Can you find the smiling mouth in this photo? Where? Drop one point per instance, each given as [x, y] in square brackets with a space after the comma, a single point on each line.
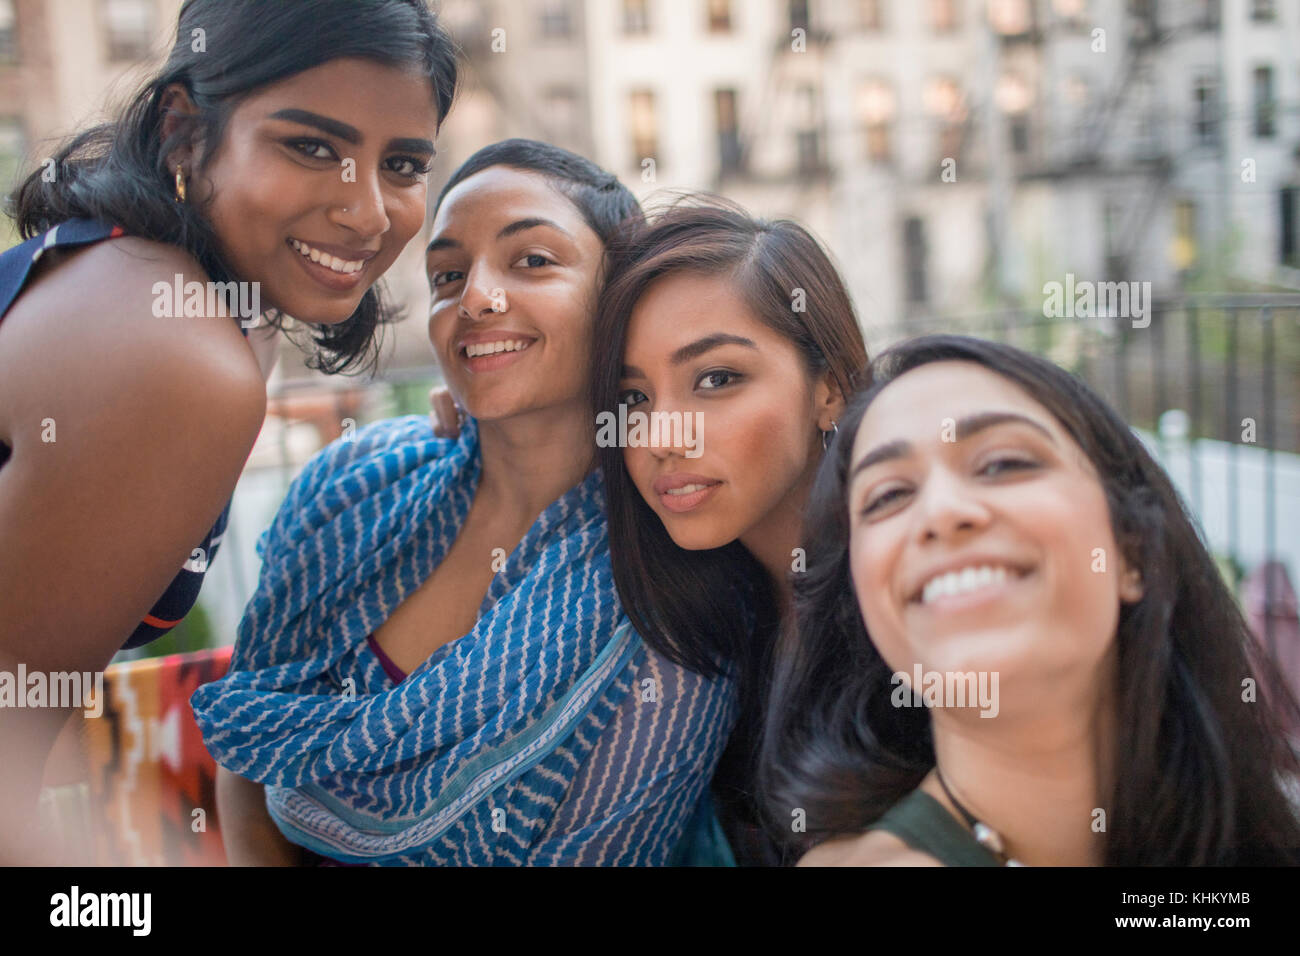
[333, 263]
[966, 581]
[480, 349]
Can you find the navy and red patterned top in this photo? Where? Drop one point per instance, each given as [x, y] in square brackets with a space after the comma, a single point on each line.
[15, 268]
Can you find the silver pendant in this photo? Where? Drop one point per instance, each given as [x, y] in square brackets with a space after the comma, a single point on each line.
[988, 838]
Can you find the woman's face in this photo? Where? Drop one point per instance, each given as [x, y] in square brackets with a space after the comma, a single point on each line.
[695, 348]
[514, 269]
[319, 182]
[980, 535]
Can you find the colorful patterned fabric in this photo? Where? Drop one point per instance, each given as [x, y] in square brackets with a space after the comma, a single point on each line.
[148, 790]
[15, 266]
[547, 735]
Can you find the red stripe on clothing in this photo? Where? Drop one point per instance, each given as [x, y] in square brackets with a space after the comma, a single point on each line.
[159, 622]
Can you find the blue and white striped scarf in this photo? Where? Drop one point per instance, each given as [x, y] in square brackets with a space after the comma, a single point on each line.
[361, 770]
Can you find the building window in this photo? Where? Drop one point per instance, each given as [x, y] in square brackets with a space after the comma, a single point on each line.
[8, 31]
[728, 124]
[1289, 252]
[914, 282]
[1011, 18]
[1019, 134]
[636, 16]
[128, 26]
[1262, 11]
[557, 20]
[877, 107]
[808, 140]
[1115, 258]
[800, 15]
[943, 16]
[871, 15]
[1184, 251]
[1265, 108]
[1206, 126]
[1144, 15]
[1071, 13]
[946, 107]
[1014, 97]
[719, 16]
[644, 122]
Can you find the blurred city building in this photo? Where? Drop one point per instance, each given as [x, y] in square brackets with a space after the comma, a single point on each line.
[954, 155]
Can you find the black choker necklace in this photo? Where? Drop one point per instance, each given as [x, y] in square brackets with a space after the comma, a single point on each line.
[985, 835]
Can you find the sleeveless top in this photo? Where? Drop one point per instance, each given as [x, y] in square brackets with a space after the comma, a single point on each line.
[923, 824]
[15, 266]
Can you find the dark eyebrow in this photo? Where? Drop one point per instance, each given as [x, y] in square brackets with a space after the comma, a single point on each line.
[966, 427]
[519, 225]
[350, 134]
[977, 423]
[886, 452]
[412, 145]
[695, 350]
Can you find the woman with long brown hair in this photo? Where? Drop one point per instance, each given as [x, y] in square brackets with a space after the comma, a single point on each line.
[744, 327]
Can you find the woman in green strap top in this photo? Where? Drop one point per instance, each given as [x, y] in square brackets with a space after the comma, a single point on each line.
[1011, 645]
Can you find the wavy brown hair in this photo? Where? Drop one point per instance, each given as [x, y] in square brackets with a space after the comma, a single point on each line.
[713, 611]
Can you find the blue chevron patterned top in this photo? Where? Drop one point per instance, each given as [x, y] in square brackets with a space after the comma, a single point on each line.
[550, 734]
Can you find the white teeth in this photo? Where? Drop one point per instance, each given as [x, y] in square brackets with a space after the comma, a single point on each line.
[963, 582]
[686, 489]
[491, 348]
[333, 263]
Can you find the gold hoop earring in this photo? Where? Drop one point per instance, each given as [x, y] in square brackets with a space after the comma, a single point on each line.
[180, 183]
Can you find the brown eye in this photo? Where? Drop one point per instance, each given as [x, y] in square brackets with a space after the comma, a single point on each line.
[1006, 464]
[875, 504]
[728, 378]
[312, 148]
[410, 167]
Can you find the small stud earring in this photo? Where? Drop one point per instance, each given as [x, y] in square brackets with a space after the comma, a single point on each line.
[180, 183]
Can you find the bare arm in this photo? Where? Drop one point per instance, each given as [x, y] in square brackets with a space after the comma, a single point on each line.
[250, 836]
[128, 433]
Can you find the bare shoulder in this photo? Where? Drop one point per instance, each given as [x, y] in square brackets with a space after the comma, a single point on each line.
[873, 848]
[89, 328]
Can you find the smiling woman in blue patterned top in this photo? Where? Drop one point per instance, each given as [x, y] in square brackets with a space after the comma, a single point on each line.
[435, 668]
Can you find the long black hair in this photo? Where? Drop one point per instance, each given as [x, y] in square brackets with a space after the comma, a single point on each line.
[1201, 775]
[714, 611]
[226, 50]
[607, 206]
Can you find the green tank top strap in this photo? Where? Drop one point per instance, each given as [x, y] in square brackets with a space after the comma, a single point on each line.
[923, 824]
